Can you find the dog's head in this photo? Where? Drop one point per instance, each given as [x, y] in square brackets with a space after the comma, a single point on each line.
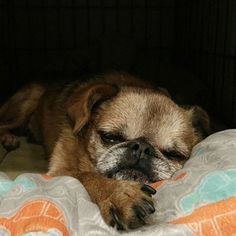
[133, 132]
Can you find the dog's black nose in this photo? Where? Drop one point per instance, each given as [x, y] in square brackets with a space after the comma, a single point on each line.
[141, 149]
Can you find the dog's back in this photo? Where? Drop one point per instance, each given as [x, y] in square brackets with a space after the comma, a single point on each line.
[42, 108]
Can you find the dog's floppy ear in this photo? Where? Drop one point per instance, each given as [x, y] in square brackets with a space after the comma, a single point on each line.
[200, 120]
[81, 103]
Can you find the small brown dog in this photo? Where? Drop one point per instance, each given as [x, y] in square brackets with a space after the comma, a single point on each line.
[114, 133]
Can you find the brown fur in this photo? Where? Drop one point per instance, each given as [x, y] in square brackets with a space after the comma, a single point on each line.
[66, 120]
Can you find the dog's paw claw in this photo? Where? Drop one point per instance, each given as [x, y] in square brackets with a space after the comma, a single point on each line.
[149, 205]
[116, 221]
[148, 189]
[140, 213]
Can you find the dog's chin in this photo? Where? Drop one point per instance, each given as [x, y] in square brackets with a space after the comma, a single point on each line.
[131, 174]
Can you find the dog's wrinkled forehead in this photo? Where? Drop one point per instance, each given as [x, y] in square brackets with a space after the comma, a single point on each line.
[143, 113]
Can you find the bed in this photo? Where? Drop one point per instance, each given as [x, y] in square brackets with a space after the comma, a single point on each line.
[200, 199]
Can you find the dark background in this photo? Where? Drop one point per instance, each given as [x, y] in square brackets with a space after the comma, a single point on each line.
[186, 46]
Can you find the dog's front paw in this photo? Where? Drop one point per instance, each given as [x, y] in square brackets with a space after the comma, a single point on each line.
[128, 206]
[10, 142]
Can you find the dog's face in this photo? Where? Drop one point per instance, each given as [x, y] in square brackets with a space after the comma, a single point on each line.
[140, 134]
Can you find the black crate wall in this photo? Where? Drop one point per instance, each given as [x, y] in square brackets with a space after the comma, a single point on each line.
[40, 35]
[206, 44]
[5, 65]
[39, 38]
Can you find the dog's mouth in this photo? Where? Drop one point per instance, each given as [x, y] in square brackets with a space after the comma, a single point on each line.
[130, 174]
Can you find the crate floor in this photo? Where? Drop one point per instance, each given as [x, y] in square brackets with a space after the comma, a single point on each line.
[28, 158]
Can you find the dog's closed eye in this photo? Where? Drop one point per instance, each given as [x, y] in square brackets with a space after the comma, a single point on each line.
[111, 138]
[174, 155]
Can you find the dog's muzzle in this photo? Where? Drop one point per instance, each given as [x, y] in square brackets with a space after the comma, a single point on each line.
[138, 162]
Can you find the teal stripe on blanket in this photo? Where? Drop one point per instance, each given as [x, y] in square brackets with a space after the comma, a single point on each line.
[22, 183]
[214, 187]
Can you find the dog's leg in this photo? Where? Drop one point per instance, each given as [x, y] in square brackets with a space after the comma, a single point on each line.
[123, 204]
[16, 111]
